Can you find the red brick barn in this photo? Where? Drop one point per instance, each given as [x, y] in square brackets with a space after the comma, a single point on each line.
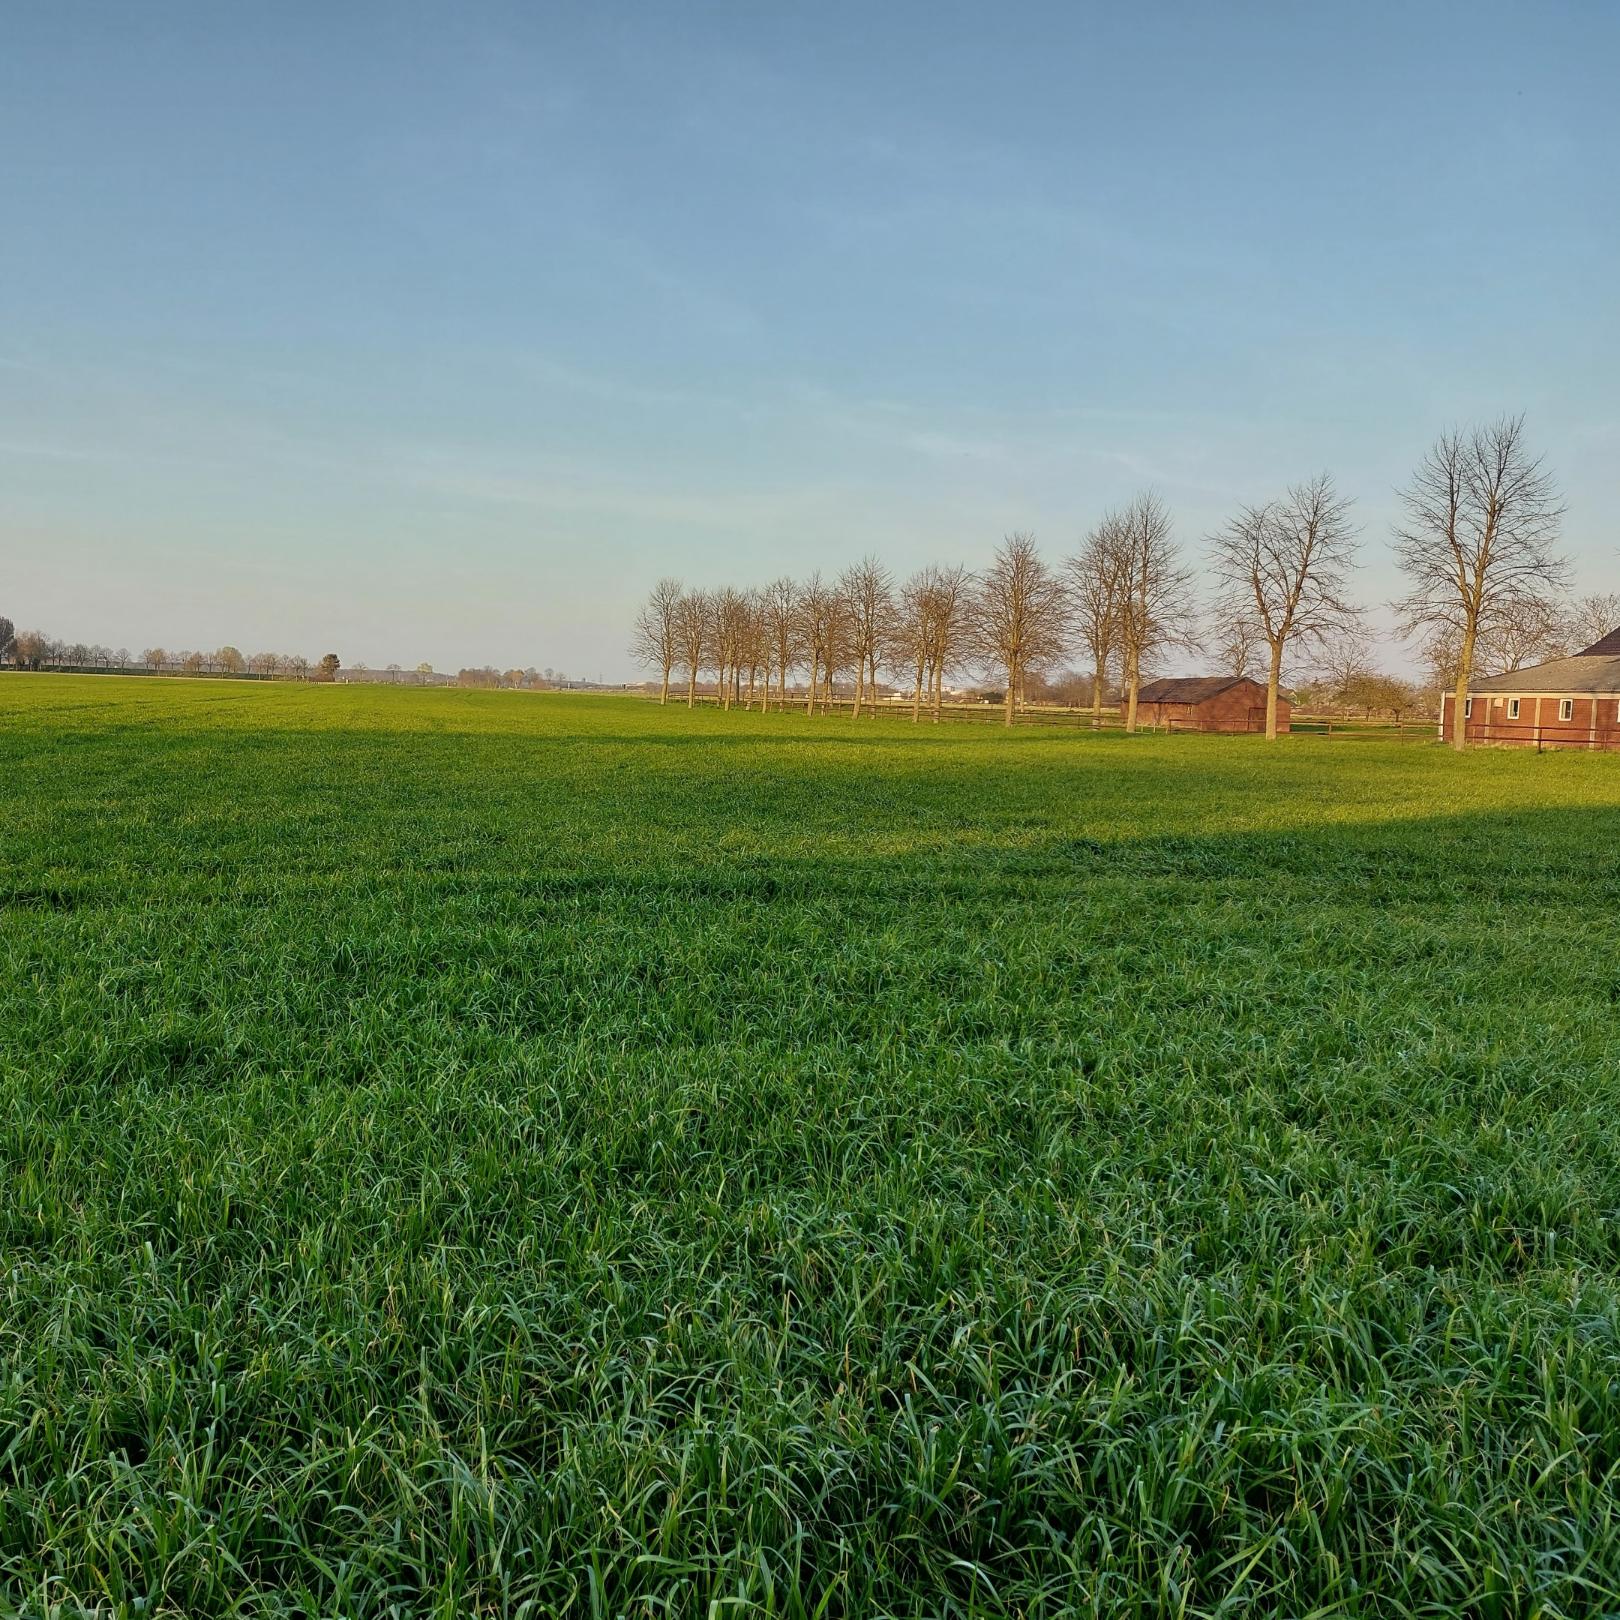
[1568, 703]
[1209, 703]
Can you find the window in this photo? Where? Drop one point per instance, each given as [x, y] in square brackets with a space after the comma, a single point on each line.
[1513, 708]
[1566, 708]
[1468, 708]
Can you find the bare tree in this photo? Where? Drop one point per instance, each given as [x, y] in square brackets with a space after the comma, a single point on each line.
[1096, 596]
[816, 610]
[1237, 640]
[1480, 536]
[730, 617]
[932, 620]
[655, 641]
[1155, 610]
[1284, 566]
[950, 626]
[758, 650]
[8, 637]
[1526, 630]
[868, 590]
[692, 637]
[839, 650]
[1344, 662]
[1590, 619]
[908, 643]
[779, 618]
[1021, 615]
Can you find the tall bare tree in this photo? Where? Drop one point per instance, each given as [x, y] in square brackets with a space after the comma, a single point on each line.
[1156, 609]
[950, 626]
[908, 641]
[868, 590]
[1021, 615]
[838, 647]
[816, 609]
[779, 617]
[692, 636]
[1480, 536]
[730, 616]
[759, 651]
[1285, 566]
[1096, 596]
[655, 640]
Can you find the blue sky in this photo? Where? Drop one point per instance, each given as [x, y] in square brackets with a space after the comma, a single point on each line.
[440, 331]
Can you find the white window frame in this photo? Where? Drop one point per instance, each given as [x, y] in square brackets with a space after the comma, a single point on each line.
[1513, 708]
[1468, 708]
[1566, 708]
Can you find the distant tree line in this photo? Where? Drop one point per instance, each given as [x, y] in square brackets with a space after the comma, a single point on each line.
[515, 680]
[1273, 598]
[35, 650]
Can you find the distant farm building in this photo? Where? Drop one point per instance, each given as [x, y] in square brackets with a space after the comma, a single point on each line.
[357, 676]
[1209, 703]
[1568, 703]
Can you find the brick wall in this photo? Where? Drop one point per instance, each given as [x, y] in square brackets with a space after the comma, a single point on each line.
[1593, 723]
[1239, 708]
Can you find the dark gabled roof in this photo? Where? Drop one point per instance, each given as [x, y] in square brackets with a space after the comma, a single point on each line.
[1608, 647]
[1190, 688]
[1588, 672]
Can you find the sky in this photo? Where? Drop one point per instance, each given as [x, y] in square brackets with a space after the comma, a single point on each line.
[431, 332]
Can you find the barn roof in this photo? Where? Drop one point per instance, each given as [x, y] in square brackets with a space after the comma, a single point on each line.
[1190, 688]
[1608, 647]
[1590, 671]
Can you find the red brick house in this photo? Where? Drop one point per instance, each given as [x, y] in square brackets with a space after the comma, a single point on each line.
[1209, 703]
[1568, 703]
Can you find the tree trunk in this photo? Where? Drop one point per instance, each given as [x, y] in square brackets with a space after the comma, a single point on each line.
[691, 688]
[1459, 701]
[1273, 681]
[916, 696]
[860, 682]
[663, 697]
[1096, 696]
[1133, 682]
[1010, 694]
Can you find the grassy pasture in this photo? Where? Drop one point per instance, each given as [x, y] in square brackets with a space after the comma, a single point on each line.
[481, 1153]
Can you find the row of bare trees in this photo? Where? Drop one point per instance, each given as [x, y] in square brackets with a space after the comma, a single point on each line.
[1123, 594]
[1477, 545]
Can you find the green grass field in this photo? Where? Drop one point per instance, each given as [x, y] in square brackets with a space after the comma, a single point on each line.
[481, 1153]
